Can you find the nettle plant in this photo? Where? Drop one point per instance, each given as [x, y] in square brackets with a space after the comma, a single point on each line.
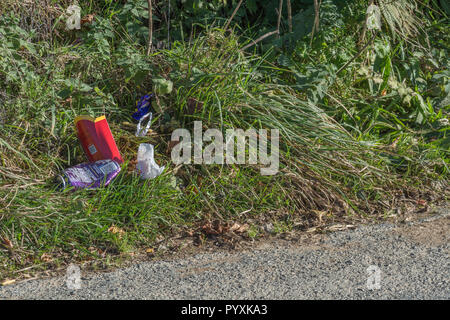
[15, 49]
[402, 83]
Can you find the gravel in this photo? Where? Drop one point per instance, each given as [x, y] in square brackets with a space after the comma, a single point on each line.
[411, 261]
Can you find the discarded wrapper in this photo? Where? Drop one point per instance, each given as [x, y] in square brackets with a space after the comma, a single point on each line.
[146, 166]
[96, 139]
[143, 107]
[143, 132]
[88, 175]
[144, 110]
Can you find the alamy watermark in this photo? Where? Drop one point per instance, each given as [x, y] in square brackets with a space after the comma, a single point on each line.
[374, 279]
[73, 277]
[74, 17]
[211, 147]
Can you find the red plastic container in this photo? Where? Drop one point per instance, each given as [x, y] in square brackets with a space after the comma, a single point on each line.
[96, 139]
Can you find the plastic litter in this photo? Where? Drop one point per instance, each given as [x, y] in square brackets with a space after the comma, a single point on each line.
[88, 175]
[143, 132]
[96, 139]
[146, 166]
[144, 110]
[144, 106]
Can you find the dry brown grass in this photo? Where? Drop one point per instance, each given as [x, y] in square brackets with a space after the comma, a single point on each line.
[38, 15]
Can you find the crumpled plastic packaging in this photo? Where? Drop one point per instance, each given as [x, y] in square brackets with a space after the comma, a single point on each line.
[143, 107]
[144, 110]
[146, 166]
[142, 132]
[89, 175]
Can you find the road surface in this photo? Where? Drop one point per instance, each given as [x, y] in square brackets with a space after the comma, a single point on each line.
[385, 261]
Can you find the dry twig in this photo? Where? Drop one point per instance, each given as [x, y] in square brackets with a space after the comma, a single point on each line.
[289, 10]
[260, 39]
[150, 26]
[233, 14]
[280, 10]
[316, 19]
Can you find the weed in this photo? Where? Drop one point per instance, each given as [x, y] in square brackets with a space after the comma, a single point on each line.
[362, 132]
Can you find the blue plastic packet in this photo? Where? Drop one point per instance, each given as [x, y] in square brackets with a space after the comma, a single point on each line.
[144, 106]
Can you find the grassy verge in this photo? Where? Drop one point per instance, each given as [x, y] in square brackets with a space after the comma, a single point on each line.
[348, 148]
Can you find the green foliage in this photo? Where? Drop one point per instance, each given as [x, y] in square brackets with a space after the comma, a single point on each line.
[354, 139]
[395, 91]
[14, 47]
[162, 86]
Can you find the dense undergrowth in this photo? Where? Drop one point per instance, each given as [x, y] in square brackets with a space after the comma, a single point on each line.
[363, 119]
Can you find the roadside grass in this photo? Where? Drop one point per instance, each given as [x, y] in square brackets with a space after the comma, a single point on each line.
[328, 171]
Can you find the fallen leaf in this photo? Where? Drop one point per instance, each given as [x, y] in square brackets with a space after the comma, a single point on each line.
[340, 227]
[46, 257]
[87, 19]
[97, 251]
[7, 243]
[208, 229]
[421, 202]
[116, 230]
[239, 228]
[235, 227]
[7, 282]
[190, 233]
[214, 228]
[194, 106]
[320, 214]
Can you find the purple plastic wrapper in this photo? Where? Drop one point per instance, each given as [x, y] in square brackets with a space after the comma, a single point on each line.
[89, 175]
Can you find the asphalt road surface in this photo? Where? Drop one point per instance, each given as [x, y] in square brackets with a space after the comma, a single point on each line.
[387, 261]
